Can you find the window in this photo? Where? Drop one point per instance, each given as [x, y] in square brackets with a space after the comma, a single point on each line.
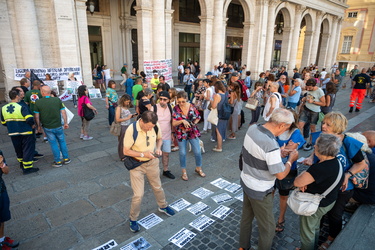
[132, 10]
[189, 11]
[347, 44]
[235, 16]
[352, 14]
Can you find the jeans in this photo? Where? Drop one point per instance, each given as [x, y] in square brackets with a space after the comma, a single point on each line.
[255, 115]
[292, 105]
[188, 91]
[111, 114]
[196, 149]
[56, 136]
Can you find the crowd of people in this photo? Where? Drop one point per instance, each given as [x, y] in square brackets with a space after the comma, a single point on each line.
[166, 120]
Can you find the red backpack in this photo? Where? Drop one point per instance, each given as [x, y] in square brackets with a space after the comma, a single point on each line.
[245, 92]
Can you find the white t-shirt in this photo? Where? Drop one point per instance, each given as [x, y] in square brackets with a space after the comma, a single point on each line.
[107, 73]
[268, 105]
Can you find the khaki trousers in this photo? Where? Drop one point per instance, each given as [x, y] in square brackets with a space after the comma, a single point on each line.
[137, 179]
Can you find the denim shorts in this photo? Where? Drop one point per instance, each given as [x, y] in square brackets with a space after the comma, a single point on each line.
[166, 147]
[309, 116]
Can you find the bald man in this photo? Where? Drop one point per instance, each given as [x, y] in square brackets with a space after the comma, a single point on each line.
[370, 136]
[48, 112]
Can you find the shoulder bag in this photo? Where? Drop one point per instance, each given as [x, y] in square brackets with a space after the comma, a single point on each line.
[213, 117]
[307, 204]
[88, 113]
[252, 103]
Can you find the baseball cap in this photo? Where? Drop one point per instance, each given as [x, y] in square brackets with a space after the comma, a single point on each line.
[235, 73]
[164, 94]
[209, 73]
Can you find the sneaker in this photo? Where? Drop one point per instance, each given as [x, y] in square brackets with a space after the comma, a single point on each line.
[81, 136]
[38, 156]
[8, 242]
[168, 174]
[167, 210]
[45, 140]
[204, 132]
[351, 109]
[67, 161]
[134, 227]
[37, 135]
[357, 110]
[30, 170]
[87, 138]
[174, 149]
[57, 164]
[307, 147]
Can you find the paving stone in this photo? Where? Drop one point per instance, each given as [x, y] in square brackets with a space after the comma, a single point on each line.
[76, 192]
[115, 179]
[61, 238]
[33, 206]
[111, 196]
[24, 229]
[98, 222]
[69, 212]
[92, 156]
[38, 191]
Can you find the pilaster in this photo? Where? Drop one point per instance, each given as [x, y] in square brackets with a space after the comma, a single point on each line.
[218, 37]
[168, 33]
[286, 46]
[332, 42]
[307, 48]
[270, 34]
[295, 37]
[144, 31]
[316, 35]
[246, 50]
[158, 29]
[205, 43]
[324, 49]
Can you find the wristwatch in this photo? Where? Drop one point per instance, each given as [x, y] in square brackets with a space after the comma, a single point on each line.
[142, 155]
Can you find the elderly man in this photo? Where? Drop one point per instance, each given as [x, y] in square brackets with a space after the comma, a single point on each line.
[142, 142]
[262, 164]
[48, 111]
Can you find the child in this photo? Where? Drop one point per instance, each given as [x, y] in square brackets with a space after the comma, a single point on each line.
[248, 80]
[5, 242]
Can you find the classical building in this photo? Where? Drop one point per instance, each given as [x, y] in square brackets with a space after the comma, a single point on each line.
[258, 33]
[357, 40]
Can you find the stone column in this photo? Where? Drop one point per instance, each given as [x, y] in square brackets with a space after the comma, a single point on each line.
[324, 49]
[332, 43]
[247, 43]
[336, 43]
[315, 44]
[259, 40]
[218, 37]
[307, 48]
[286, 46]
[128, 57]
[144, 32]
[205, 43]
[28, 29]
[270, 34]
[158, 29]
[83, 41]
[295, 38]
[168, 33]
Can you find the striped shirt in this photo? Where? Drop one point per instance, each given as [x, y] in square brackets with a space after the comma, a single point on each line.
[261, 161]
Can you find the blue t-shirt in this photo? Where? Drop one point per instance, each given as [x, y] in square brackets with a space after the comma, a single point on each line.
[295, 137]
[295, 98]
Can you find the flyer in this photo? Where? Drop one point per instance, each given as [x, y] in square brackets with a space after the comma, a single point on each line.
[222, 212]
[182, 237]
[180, 204]
[108, 245]
[138, 244]
[202, 192]
[149, 221]
[233, 188]
[198, 208]
[239, 196]
[201, 223]
[221, 198]
[220, 183]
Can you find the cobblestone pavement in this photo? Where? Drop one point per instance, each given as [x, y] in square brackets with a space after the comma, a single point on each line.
[86, 203]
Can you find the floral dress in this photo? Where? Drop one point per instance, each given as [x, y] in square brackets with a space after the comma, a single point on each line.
[183, 133]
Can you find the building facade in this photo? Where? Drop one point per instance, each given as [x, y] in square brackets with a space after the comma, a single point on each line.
[357, 40]
[258, 33]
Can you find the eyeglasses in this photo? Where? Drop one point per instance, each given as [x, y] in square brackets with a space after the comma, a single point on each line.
[147, 140]
[163, 99]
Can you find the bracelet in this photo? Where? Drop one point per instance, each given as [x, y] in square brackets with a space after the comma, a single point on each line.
[288, 162]
[351, 174]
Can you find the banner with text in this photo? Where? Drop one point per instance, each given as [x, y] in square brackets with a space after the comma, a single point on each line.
[56, 73]
[164, 67]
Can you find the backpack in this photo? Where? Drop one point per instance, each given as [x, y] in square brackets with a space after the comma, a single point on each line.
[226, 110]
[245, 92]
[135, 131]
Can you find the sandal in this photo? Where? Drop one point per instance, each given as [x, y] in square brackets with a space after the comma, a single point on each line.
[184, 176]
[200, 172]
[280, 227]
[174, 149]
[325, 245]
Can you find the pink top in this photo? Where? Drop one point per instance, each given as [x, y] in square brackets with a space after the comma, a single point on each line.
[164, 120]
[82, 100]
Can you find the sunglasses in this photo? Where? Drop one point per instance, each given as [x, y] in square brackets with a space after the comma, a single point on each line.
[147, 140]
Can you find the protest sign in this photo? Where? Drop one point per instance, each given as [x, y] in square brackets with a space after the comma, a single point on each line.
[56, 73]
[164, 67]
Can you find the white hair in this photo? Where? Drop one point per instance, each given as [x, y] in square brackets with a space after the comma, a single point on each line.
[281, 115]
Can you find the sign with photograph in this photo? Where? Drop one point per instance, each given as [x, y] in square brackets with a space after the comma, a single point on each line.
[95, 93]
[201, 223]
[149, 221]
[72, 86]
[182, 237]
[53, 85]
[138, 244]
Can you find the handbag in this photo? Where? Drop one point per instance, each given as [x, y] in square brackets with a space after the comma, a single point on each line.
[287, 182]
[115, 129]
[213, 117]
[252, 103]
[307, 204]
[360, 180]
[88, 113]
[131, 163]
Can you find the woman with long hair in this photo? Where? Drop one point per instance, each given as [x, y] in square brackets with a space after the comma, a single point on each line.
[111, 99]
[236, 102]
[220, 130]
[83, 98]
[123, 116]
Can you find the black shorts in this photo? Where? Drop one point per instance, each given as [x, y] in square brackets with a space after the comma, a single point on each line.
[4, 207]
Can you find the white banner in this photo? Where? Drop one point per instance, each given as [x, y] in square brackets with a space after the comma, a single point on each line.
[56, 73]
[65, 96]
[164, 67]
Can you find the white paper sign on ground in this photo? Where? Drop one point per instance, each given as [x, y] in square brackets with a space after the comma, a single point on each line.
[239, 196]
[221, 198]
[108, 245]
[202, 192]
[180, 204]
[198, 208]
[201, 223]
[182, 237]
[220, 183]
[138, 244]
[149, 221]
[233, 188]
[222, 212]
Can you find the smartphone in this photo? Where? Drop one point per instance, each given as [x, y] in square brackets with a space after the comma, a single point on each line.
[156, 155]
[135, 114]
